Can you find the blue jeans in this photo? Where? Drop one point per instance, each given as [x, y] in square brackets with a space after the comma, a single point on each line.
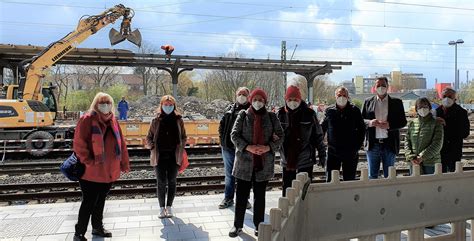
[228, 155]
[425, 170]
[379, 153]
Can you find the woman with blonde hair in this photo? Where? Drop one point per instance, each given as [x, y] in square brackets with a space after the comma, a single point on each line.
[166, 140]
[100, 146]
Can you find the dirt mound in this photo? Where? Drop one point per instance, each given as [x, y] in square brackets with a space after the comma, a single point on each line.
[191, 107]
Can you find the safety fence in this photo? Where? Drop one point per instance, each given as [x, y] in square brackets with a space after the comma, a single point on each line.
[366, 208]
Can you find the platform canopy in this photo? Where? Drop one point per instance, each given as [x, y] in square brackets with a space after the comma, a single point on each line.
[11, 55]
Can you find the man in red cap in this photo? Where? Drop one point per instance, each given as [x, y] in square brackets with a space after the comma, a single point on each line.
[303, 135]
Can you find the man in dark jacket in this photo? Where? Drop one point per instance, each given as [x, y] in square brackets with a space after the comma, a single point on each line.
[303, 135]
[383, 116]
[456, 128]
[345, 128]
[228, 149]
[123, 109]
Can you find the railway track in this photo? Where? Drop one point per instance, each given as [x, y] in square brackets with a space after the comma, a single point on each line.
[139, 151]
[41, 167]
[70, 191]
[18, 151]
[133, 151]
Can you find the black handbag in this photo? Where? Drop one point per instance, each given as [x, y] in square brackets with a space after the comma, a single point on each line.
[72, 168]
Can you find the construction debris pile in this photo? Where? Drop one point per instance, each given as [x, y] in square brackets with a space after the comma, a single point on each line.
[191, 107]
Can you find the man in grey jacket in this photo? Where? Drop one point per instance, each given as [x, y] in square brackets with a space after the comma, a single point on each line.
[303, 135]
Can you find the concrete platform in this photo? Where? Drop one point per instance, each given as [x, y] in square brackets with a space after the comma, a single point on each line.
[197, 218]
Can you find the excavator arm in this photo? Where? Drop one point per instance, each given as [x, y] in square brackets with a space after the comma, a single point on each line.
[33, 70]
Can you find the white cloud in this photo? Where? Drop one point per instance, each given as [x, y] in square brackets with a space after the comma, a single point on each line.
[327, 27]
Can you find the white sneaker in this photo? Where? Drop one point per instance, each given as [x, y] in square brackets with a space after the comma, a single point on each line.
[169, 212]
[162, 213]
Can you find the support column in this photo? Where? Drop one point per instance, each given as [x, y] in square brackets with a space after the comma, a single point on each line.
[174, 71]
[309, 76]
[310, 83]
[174, 81]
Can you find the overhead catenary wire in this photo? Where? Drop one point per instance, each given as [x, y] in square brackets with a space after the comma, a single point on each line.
[219, 35]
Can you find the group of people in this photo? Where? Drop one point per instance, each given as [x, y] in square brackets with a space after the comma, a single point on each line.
[250, 136]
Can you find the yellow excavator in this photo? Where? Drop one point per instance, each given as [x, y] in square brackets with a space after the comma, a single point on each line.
[28, 112]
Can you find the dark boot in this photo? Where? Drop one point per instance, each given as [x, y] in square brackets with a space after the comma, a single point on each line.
[79, 237]
[234, 232]
[102, 232]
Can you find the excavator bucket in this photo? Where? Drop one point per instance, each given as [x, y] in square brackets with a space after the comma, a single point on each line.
[134, 37]
[115, 37]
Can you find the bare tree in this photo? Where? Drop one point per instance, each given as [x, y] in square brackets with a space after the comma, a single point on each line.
[160, 81]
[147, 73]
[272, 83]
[61, 77]
[323, 90]
[102, 76]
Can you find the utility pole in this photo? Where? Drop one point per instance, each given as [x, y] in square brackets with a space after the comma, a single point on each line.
[283, 61]
[467, 77]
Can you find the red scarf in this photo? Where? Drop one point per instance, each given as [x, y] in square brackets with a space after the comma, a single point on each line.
[99, 131]
[257, 136]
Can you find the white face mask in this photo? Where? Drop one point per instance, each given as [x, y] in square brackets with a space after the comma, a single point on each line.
[341, 101]
[293, 104]
[104, 108]
[241, 99]
[447, 102]
[257, 105]
[381, 90]
[423, 111]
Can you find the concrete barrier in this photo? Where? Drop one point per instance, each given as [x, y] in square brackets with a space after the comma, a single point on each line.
[366, 208]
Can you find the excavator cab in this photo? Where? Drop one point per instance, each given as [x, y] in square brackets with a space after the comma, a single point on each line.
[49, 98]
[126, 32]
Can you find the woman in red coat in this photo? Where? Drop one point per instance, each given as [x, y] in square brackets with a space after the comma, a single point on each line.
[99, 144]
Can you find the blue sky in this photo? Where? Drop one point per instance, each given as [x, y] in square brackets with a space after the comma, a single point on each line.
[377, 36]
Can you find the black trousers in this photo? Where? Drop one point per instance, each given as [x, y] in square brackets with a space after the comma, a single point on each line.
[449, 166]
[349, 166]
[93, 202]
[242, 194]
[166, 173]
[289, 176]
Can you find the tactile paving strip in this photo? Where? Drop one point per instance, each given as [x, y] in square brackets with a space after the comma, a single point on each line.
[21, 227]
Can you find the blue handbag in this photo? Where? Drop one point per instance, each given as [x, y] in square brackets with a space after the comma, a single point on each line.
[72, 168]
